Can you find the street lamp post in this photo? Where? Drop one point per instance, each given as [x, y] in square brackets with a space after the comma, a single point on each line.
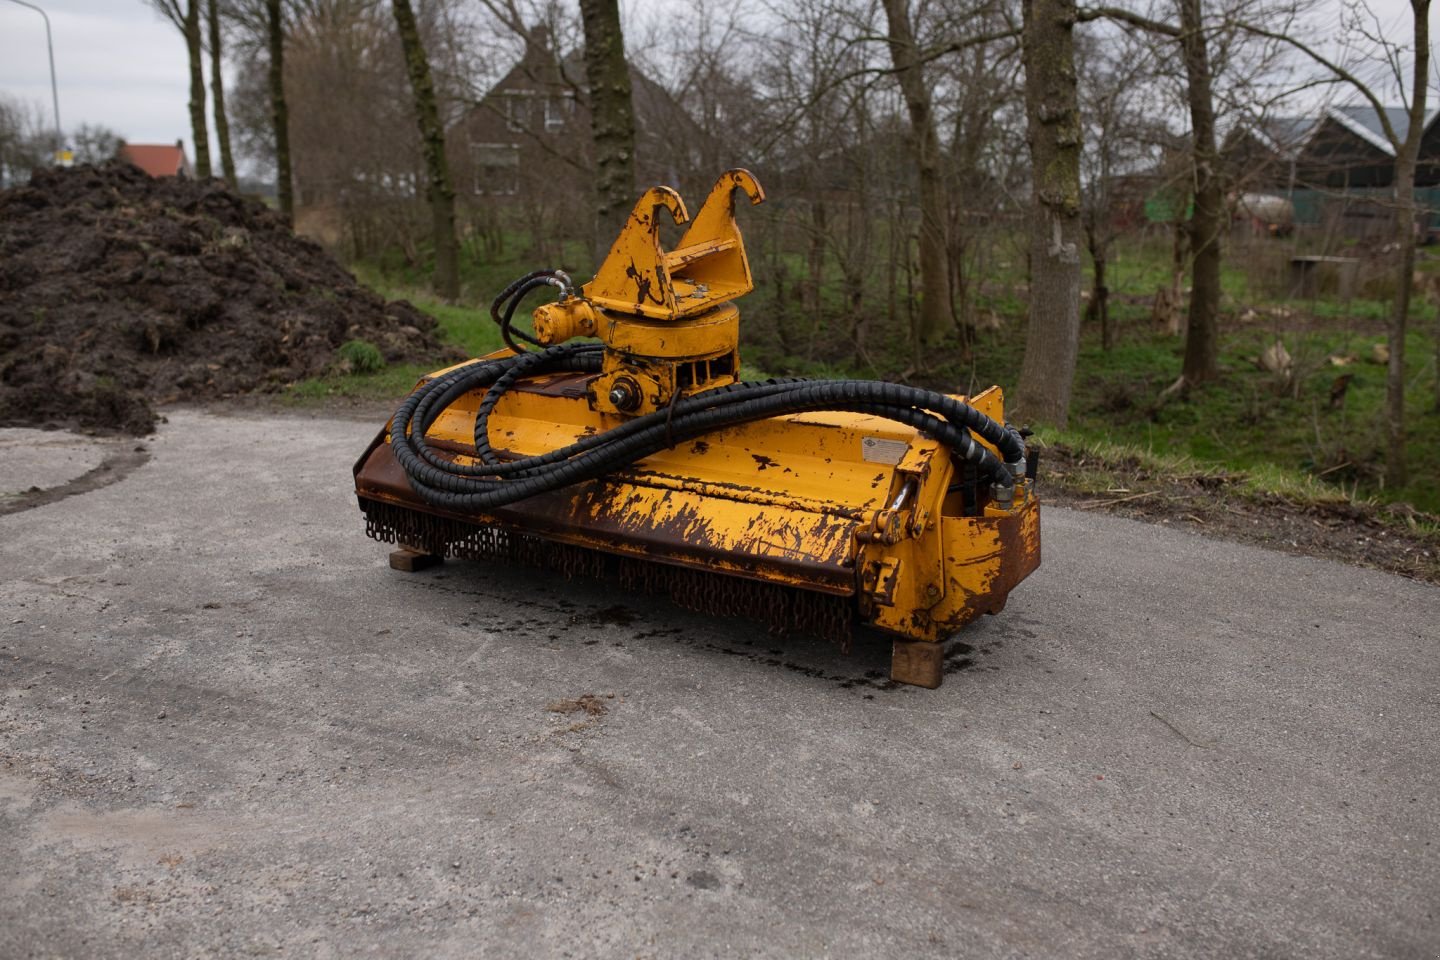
[54, 87]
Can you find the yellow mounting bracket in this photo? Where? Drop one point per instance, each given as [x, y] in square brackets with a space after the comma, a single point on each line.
[708, 268]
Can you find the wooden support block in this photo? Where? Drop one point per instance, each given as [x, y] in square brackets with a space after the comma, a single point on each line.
[412, 560]
[917, 661]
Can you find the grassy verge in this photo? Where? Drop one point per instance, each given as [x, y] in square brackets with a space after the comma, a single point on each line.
[1100, 466]
[467, 326]
[393, 382]
[1282, 509]
[1322, 423]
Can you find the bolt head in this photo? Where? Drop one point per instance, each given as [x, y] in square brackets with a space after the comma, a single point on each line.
[624, 395]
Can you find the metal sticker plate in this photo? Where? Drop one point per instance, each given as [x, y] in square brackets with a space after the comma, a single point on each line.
[878, 450]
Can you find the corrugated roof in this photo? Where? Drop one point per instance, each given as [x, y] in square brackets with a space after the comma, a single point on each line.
[1362, 120]
[1284, 135]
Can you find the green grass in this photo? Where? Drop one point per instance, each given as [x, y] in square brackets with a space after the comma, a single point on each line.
[395, 381]
[482, 275]
[1249, 422]
[1265, 478]
[463, 325]
[361, 356]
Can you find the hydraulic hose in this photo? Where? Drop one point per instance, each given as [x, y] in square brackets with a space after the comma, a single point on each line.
[503, 307]
[492, 482]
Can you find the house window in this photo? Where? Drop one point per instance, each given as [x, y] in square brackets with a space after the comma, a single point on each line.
[497, 168]
[517, 111]
[557, 111]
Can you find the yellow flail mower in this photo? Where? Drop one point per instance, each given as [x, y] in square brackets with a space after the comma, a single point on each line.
[808, 505]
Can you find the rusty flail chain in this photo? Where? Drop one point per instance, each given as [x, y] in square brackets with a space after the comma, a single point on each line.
[783, 609]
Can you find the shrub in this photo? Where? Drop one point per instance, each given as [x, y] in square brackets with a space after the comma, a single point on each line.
[362, 356]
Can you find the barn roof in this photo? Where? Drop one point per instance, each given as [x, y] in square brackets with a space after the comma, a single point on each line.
[1362, 120]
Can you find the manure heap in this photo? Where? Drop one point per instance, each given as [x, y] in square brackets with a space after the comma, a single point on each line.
[119, 292]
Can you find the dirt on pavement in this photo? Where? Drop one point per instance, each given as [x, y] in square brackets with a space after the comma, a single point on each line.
[119, 292]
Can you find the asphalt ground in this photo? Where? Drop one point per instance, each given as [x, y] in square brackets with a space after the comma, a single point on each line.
[227, 728]
[33, 460]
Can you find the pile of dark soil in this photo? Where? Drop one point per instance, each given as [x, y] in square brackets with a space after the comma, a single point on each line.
[1393, 537]
[118, 292]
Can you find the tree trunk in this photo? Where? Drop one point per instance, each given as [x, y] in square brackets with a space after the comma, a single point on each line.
[1406, 160]
[1098, 310]
[1396, 473]
[217, 94]
[279, 111]
[898, 249]
[961, 297]
[1102, 297]
[612, 120]
[957, 243]
[819, 224]
[1179, 256]
[1169, 298]
[198, 130]
[1202, 330]
[924, 145]
[438, 190]
[1052, 110]
[859, 317]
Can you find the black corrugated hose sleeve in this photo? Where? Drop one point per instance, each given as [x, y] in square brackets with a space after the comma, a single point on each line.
[514, 293]
[453, 491]
[645, 438]
[491, 484]
[434, 397]
[561, 356]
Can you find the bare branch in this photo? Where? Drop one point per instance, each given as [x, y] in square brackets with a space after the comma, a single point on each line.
[1344, 75]
[877, 73]
[1121, 15]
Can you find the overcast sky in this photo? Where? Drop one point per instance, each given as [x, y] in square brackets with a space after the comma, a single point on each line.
[119, 64]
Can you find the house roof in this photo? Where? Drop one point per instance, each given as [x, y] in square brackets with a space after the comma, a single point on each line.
[657, 114]
[1284, 135]
[651, 102]
[156, 159]
[1363, 121]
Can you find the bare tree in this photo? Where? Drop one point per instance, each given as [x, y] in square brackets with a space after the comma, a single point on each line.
[987, 164]
[924, 143]
[94, 143]
[26, 142]
[932, 205]
[187, 21]
[1052, 341]
[1202, 330]
[438, 188]
[1120, 136]
[612, 119]
[333, 76]
[1405, 146]
[217, 93]
[279, 109]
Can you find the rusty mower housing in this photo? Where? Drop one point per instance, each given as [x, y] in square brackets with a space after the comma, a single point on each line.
[808, 505]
